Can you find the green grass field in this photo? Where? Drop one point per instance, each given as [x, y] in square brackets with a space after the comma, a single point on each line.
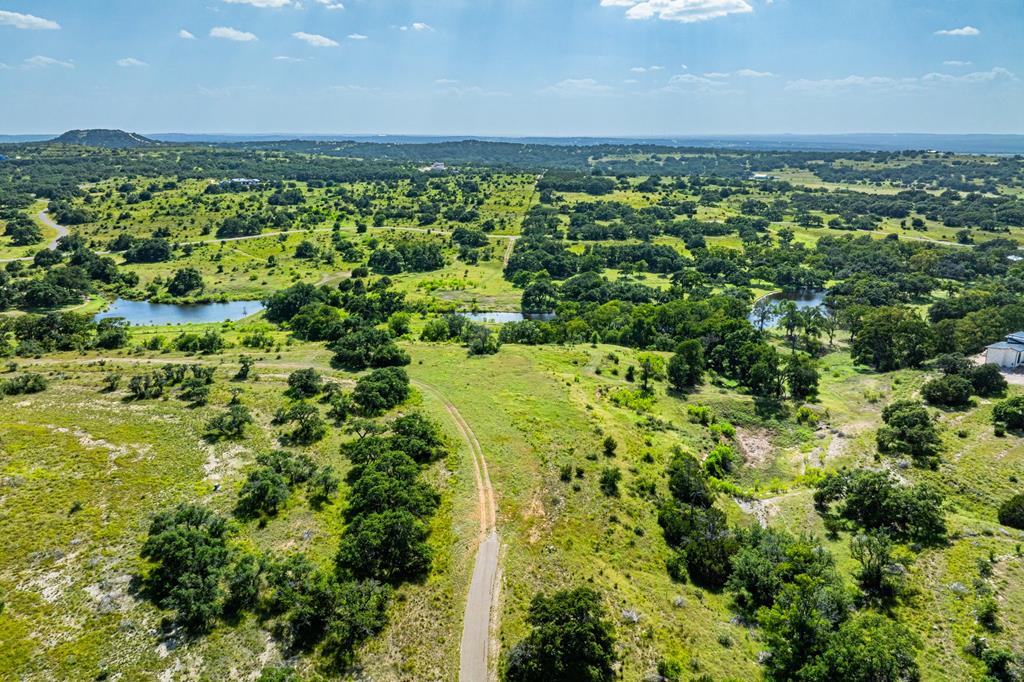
[80, 482]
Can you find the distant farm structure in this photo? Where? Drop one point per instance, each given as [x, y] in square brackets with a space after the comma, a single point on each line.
[1008, 353]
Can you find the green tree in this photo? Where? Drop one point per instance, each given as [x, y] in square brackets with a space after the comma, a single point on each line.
[246, 363]
[1010, 412]
[687, 481]
[185, 281]
[390, 546]
[799, 625]
[570, 639]
[686, 367]
[541, 296]
[948, 391]
[381, 389]
[880, 577]
[891, 338]
[609, 481]
[867, 648]
[987, 381]
[229, 424]
[265, 491]
[909, 429]
[802, 376]
[1011, 512]
[305, 383]
[189, 552]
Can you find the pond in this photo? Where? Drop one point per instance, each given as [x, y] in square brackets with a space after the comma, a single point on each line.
[804, 298]
[502, 318]
[146, 314]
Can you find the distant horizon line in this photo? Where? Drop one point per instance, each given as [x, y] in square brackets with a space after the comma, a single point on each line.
[552, 136]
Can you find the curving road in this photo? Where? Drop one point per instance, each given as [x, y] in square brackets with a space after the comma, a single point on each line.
[45, 219]
[474, 648]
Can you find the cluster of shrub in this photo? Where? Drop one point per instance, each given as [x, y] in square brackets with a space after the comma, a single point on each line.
[203, 572]
[478, 338]
[60, 331]
[52, 282]
[23, 384]
[277, 474]
[193, 381]
[960, 380]
[789, 585]
[407, 255]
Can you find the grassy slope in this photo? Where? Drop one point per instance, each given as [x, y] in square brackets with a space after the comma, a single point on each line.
[65, 576]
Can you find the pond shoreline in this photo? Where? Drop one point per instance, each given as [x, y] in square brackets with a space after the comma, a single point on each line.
[153, 314]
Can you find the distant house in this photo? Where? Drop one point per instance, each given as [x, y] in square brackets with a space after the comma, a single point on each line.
[245, 182]
[434, 167]
[1008, 353]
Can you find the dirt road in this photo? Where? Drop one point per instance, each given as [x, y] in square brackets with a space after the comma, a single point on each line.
[476, 624]
[475, 646]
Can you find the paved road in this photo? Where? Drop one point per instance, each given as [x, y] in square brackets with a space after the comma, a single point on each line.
[475, 646]
[45, 219]
[476, 624]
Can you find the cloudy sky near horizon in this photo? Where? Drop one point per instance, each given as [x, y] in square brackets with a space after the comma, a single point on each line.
[513, 67]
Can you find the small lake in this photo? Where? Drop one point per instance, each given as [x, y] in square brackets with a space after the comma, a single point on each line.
[146, 314]
[502, 318]
[804, 298]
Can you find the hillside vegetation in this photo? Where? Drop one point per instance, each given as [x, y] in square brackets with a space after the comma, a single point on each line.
[735, 421]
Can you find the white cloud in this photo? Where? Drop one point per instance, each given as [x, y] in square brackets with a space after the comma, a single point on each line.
[356, 36]
[129, 62]
[330, 4]
[446, 81]
[41, 62]
[645, 69]
[902, 84]
[353, 88]
[4, 67]
[751, 73]
[962, 31]
[685, 11]
[998, 73]
[716, 74]
[228, 33]
[472, 91]
[287, 59]
[578, 86]
[315, 40]
[271, 4]
[27, 22]
[420, 26]
[955, 62]
[691, 79]
[852, 81]
[185, 35]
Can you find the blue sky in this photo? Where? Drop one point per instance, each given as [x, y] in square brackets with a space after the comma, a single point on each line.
[513, 67]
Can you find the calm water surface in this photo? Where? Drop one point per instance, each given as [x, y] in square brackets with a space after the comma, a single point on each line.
[146, 314]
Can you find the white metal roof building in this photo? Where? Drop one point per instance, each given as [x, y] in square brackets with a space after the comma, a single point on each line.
[1008, 353]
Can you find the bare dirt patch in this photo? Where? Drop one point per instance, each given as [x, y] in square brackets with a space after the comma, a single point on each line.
[755, 445]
